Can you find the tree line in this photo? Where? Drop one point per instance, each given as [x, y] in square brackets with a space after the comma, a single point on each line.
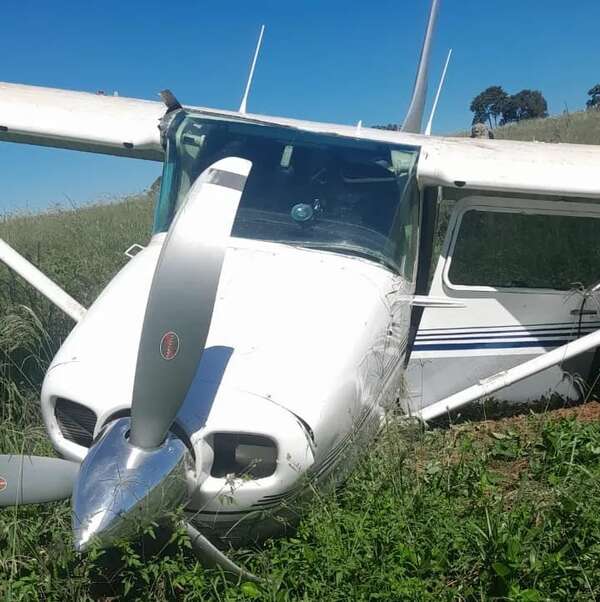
[495, 107]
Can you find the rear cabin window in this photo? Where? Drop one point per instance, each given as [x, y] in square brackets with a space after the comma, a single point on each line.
[521, 250]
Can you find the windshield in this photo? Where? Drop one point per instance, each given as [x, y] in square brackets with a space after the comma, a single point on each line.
[321, 191]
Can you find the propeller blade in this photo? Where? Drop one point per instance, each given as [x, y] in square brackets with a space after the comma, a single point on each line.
[35, 479]
[181, 299]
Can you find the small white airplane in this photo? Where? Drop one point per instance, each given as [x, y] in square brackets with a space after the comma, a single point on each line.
[251, 350]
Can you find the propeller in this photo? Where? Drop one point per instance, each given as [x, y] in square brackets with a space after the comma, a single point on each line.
[181, 300]
[35, 479]
[136, 471]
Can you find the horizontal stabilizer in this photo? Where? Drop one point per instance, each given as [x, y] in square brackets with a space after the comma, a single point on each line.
[35, 479]
[82, 121]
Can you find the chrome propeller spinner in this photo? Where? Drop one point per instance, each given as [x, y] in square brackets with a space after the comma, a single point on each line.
[122, 488]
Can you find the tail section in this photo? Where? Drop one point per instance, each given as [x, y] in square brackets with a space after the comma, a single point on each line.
[414, 116]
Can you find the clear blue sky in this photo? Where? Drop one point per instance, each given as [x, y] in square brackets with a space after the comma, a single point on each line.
[330, 60]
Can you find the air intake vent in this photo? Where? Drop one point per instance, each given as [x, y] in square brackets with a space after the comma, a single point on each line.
[76, 422]
[242, 455]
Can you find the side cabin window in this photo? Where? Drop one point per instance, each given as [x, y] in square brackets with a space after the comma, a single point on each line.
[515, 249]
[322, 191]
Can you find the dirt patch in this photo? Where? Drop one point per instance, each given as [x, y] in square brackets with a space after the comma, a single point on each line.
[586, 412]
[495, 410]
[510, 470]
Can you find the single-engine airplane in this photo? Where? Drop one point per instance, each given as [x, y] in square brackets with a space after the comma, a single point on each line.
[250, 350]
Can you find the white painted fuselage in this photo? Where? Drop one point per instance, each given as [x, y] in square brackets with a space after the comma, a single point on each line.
[305, 348]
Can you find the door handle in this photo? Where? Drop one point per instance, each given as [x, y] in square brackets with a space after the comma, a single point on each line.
[583, 312]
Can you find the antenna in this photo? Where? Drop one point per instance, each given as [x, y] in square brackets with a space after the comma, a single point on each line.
[414, 115]
[437, 94]
[251, 74]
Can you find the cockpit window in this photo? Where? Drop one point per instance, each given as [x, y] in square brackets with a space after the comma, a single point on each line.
[313, 190]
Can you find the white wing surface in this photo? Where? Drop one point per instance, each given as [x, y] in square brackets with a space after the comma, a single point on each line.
[81, 121]
[509, 166]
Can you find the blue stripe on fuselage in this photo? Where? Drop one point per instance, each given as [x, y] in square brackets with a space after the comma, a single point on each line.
[525, 335]
[492, 345]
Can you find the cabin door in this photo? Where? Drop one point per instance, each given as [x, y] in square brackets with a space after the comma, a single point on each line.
[522, 268]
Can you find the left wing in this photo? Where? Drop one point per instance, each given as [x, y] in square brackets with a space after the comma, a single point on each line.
[82, 121]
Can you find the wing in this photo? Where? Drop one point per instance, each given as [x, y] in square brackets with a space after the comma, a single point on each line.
[81, 121]
[509, 166]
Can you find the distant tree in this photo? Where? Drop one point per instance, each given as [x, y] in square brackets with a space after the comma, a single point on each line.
[526, 104]
[489, 105]
[510, 112]
[390, 126]
[594, 94]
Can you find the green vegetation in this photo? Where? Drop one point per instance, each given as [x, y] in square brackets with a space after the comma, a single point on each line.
[80, 249]
[594, 101]
[497, 510]
[495, 103]
[581, 127]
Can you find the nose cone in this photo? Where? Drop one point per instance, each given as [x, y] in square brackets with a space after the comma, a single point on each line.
[121, 488]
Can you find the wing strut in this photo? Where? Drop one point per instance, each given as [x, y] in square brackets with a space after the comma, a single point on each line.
[505, 378]
[41, 282]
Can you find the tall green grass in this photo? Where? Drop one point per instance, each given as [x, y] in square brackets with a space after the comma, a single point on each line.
[81, 250]
[504, 511]
[582, 127]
